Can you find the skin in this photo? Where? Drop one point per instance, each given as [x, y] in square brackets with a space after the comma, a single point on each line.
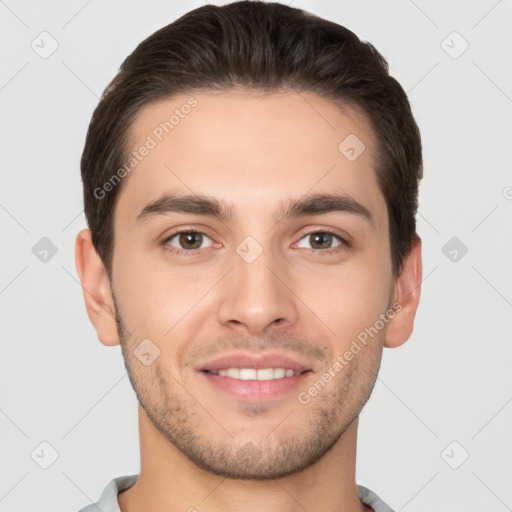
[199, 446]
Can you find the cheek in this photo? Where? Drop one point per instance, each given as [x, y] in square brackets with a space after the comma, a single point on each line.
[141, 290]
[157, 298]
[346, 299]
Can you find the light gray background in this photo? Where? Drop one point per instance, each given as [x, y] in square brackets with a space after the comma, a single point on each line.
[450, 382]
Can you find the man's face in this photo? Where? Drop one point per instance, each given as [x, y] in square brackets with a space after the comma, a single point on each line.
[252, 269]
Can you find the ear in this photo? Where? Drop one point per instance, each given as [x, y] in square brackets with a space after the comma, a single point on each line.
[96, 289]
[407, 289]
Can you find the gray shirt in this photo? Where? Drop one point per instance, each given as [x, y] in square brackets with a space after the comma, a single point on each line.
[108, 501]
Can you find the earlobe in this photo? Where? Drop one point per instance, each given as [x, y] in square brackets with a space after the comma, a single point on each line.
[406, 295]
[96, 289]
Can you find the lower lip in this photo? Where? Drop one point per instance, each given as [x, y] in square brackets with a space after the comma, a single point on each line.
[256, 390]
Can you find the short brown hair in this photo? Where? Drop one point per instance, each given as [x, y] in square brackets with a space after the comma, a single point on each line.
[264, 47]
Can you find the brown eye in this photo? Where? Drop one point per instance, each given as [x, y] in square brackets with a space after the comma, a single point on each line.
[320, 240]
[189, 240]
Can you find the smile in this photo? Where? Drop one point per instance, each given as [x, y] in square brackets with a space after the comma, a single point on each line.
[256, 374]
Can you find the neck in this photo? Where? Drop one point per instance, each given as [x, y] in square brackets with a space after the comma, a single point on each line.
[170, 481]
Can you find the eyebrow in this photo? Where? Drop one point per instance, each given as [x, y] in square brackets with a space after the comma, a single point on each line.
[318, 204]
[312, 204]
[195, 204]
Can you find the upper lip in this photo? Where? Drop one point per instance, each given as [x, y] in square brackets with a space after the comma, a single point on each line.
[247, 360]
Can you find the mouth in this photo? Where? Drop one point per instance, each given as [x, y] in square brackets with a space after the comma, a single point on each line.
[255, 374]
[255, 378]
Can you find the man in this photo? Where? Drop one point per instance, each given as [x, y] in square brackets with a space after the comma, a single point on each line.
[250, 184]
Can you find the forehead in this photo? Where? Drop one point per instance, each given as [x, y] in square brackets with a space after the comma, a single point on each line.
[250, 149]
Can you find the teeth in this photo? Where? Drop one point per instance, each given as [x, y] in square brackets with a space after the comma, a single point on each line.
[260, 374]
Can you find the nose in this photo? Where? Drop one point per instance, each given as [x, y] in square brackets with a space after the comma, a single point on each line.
[257, 297]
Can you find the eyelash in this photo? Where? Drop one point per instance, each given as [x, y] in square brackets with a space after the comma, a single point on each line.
[326, 252]
[184, 252]
[181, 252]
